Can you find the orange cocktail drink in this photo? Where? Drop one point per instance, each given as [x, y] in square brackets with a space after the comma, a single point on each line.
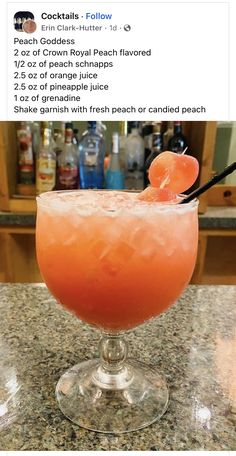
[113, 260]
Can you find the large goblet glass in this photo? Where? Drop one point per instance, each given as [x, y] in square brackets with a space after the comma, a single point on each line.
[115, 262]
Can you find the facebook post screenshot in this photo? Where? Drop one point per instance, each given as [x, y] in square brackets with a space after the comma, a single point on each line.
[118, 227]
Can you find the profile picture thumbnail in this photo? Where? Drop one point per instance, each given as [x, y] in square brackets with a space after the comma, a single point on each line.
[24, 22]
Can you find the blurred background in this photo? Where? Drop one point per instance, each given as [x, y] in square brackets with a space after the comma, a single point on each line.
[42, 156]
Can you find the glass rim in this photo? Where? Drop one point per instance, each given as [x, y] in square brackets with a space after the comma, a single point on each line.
[43, 200]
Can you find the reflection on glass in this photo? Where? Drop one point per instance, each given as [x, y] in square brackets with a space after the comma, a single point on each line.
[9, 388]
[225, 359]
[202, 415]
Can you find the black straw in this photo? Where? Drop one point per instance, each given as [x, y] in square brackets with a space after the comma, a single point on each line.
[218, 177]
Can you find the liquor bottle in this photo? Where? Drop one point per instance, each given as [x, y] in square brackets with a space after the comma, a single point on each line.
[156, 149]
[75, 139]
[91, 158]
[101, 129]
[46, 161]
[26, 174]
[114, 175]
[177, 142]
[131, 125]
[18, 25]
[168, 134]
[122, 143]
[147, 131]
[134, 160]
[67, 170]
[58, 139]
[36, 139]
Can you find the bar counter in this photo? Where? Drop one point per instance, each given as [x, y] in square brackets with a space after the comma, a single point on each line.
[214, 217]
[194, 345]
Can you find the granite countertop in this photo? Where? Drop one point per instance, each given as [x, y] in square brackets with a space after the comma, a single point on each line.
[17, 219]
[218, 217]
[194, 344]
[214, 217]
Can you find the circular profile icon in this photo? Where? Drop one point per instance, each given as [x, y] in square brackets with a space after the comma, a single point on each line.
[29, 26]
[20, 18]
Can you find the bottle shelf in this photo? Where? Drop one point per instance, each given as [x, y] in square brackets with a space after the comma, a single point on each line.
[200, 138]
[22, 204]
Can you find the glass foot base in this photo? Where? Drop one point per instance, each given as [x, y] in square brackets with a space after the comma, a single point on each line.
[123, 402]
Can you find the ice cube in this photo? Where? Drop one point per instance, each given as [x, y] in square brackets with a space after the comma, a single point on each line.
[99, 248]
[116, 258]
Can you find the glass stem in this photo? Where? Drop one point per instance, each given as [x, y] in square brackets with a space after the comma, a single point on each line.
[113, 352]
[112, 372]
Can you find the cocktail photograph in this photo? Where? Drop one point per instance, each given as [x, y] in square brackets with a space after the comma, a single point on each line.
[118, 285]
